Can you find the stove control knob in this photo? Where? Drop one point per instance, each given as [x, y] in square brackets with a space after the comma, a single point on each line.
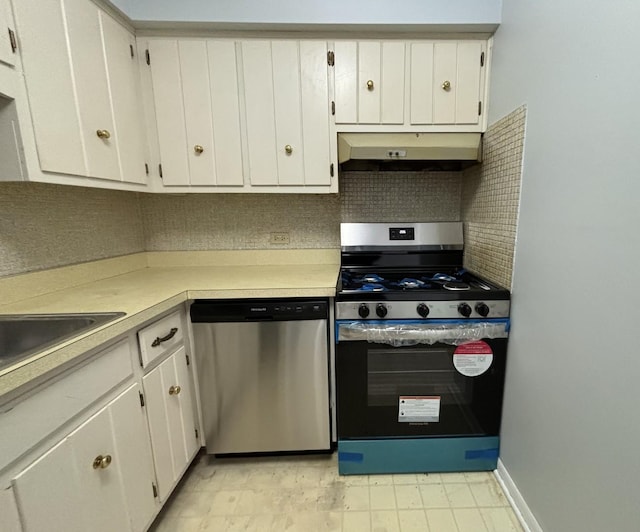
[482, 309]
[381, 310]
[363, 310]
[423, 310]
[464, 309]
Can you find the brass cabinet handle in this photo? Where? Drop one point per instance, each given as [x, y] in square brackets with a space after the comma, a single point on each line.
[103, 134]
[446, 85]
[102, 462]
[174, 390]
[159, 340]
[370, 85]
[198, 149]
[288, 149]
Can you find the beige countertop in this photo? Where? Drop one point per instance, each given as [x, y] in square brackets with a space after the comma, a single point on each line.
[165, 281]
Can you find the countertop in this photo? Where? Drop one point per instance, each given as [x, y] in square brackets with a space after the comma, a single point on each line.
[164, 281]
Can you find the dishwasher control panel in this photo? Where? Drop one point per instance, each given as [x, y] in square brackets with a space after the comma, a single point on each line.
[204, 311]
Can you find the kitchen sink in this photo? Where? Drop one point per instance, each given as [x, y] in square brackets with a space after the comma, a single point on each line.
[22, 335]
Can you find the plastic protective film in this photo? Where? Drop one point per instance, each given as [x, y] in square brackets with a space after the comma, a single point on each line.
[404, 334]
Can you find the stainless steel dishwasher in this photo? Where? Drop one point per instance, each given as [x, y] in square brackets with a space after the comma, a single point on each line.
[263, 372]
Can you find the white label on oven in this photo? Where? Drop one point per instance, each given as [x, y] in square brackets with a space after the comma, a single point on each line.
[419, 408]
[473, 358]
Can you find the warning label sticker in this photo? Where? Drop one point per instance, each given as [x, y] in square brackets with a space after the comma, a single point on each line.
[419, 408]
[473, 358]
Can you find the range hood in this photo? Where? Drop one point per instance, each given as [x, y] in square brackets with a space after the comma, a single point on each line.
[420, 147]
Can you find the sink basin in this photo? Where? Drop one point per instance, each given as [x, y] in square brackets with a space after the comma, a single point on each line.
[21, 335]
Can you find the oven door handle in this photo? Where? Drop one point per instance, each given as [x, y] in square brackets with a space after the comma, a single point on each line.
[409, 332]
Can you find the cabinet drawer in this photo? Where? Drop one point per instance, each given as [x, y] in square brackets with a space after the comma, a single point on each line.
[160, 337]
[30, 421]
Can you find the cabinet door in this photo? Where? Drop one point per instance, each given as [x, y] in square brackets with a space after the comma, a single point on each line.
[372, 82]
[50, 88]
[9, 511]
[70, 488]
[197, 112]
[7, 55]
[92, 89]
[456, 82]
[171, 418]
[124, 87]
[260, 112]
[287, 112]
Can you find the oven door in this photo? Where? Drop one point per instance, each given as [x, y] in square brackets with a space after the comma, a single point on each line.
[425, 379]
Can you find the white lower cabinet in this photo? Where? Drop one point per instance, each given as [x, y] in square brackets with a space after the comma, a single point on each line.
[171, 415]
[98, 478]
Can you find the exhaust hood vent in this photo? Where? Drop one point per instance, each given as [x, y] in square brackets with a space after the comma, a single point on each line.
[408, 151]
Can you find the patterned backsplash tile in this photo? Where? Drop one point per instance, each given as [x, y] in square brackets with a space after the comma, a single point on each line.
[43, 226]
[490, 200]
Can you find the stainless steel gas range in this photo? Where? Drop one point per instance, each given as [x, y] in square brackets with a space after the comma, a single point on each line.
[421, 349]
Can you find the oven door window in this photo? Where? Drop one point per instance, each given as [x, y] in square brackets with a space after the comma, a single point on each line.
[373, 378]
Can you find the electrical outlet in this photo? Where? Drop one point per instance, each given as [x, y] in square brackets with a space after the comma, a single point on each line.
[278, 239]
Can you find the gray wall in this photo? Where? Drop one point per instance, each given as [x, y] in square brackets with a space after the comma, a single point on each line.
[571, 430]
[314, 12]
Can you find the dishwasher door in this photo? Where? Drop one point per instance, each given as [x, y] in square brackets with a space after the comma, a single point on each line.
[264, 385]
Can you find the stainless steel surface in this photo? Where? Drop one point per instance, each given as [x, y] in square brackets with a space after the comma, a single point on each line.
[264, 386]
[25, 334]
[407, 310]
[361, 236]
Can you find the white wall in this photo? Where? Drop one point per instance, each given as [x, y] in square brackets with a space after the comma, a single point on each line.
[413, 12]
[571, 425]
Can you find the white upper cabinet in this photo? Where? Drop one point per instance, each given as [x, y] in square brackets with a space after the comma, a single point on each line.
[369, 81]
[197, 112]
[446, 82]
[410, 85]
[8, 41]
[82, 86]
[288, 122]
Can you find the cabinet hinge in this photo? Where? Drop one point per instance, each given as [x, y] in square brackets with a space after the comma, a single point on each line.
[482, 59]
[147, 56]
[331, 170]
[155, 490]
[141, 398]
[188, 360]
[146, 168]
[12, 40]
[196, 434]
[160, 170]
[331, 58]
[479, 108]
[333, 108]
[131, 49]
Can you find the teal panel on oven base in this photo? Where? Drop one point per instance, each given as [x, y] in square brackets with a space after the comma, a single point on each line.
[417, 455]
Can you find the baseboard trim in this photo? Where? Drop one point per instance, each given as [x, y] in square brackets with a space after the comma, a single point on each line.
[519, 505]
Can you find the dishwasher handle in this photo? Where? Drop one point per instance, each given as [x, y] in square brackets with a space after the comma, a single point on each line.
[255, 310]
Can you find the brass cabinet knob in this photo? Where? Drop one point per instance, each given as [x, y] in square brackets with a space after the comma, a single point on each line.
[288, 149]
[103, 134]
[102, 462]
[198, 149]
[446, 85]
[174, 390]
[370, 85]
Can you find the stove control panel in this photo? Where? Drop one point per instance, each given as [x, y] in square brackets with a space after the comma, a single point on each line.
[414, 310]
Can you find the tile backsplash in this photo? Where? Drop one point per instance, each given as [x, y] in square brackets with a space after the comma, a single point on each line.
[43, 226]
[490, 200]
[240, 221]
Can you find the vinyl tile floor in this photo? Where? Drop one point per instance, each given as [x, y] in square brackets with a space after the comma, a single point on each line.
[306, 494]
